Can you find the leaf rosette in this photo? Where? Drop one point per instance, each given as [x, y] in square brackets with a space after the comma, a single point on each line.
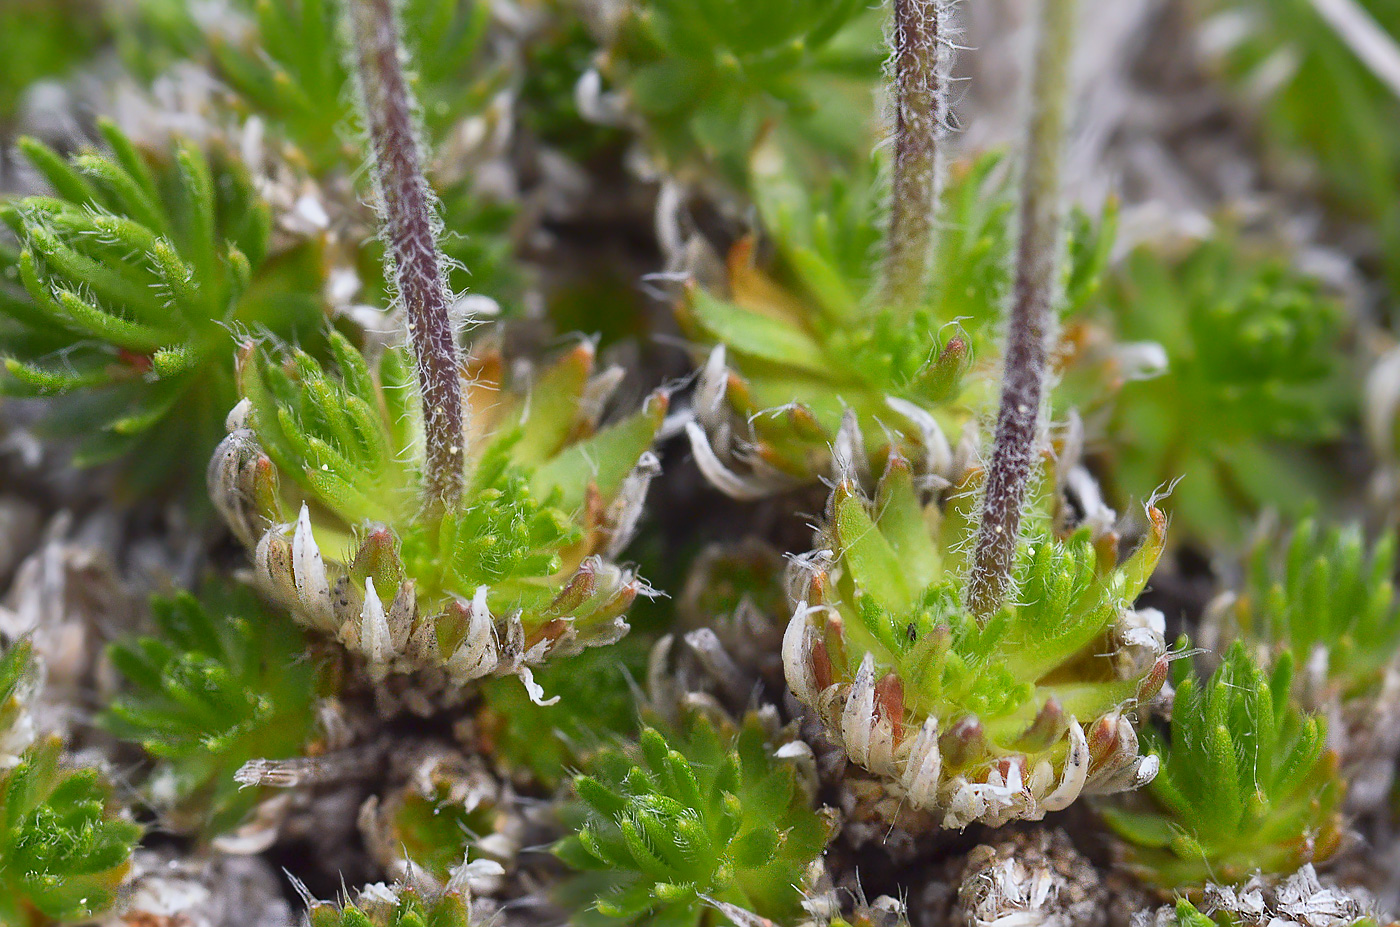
[990, 721]
[320, 477]
[796, 342]
[135, 277]
[1247, 784]
[715, 814]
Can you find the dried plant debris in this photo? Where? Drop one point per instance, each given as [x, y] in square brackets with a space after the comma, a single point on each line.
[1033, 879]
[1302, 898]
[217, 891]
[686, 463]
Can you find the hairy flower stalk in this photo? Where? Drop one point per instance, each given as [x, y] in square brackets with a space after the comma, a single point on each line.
[410, 229]
[920, 66]
[1028, 331]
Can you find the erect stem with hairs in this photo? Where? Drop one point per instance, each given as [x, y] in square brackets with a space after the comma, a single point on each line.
[919, 65]
[1030, 323]
[412, 241]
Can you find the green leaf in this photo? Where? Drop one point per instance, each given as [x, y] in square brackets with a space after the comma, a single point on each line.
[759, 335]
[603, 460]
[876, 566]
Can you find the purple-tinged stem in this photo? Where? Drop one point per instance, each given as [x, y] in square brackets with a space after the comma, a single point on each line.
[1031, 319]
[411, 233]
[919, 68]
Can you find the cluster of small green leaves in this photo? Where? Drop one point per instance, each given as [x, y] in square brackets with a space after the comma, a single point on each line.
[975, 720]
[219, 683]
[507, 536]
[353, 443]
[674, 823]
[379, 906]
[829, 237]
[1247, 783]
[906, 592]
[136, 274]
[708, 78]
[1326, 590]
[517, 566]
[64, 848]
[1255, 384]
[808, 342]
[347, 438]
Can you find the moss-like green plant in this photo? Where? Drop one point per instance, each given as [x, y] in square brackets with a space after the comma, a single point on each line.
[708, 815]
[976, 721]
[1247, 784]
[218, 684]
[795, 357]
[1328, 597]
[64, 847]
[394, 906]
[322, 478]
[135, 277]
[707, 78]
[1254, 384]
